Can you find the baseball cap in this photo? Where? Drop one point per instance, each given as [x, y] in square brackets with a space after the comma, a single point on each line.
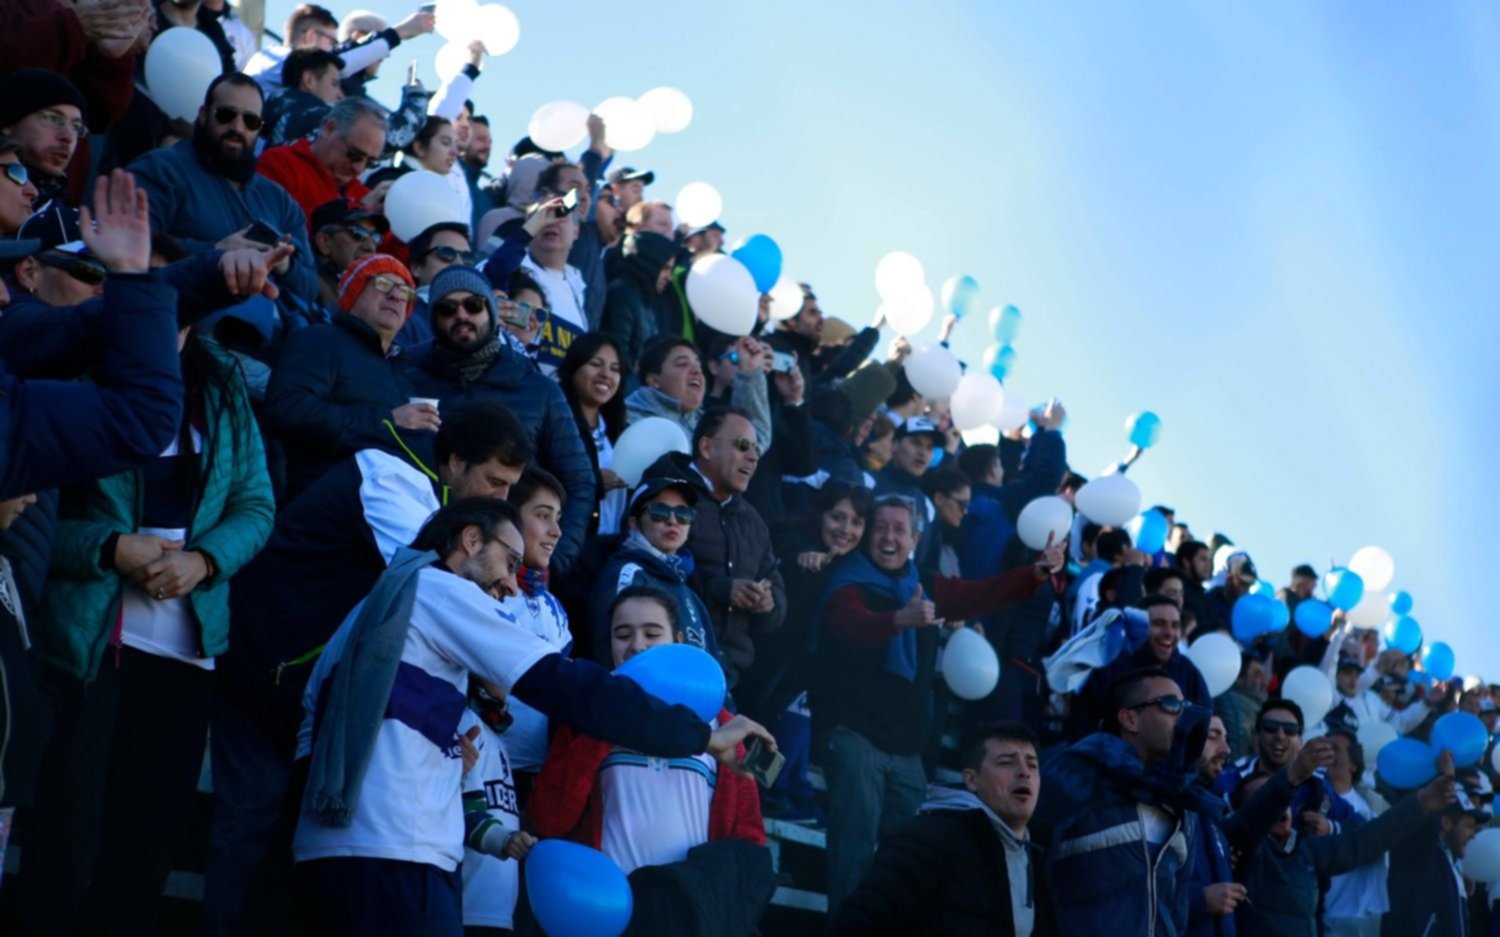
[630, 174]
[15, 248]
[1350, 663]
[834, 331]
[55, 226]
[919, 425]
[652, 487]
[1241, 567]
[711, 226]
[1486, 705]
[1341, 720]
[343, 211]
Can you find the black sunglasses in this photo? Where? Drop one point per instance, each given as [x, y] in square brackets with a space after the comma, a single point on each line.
[225, 115]
[1171, 705]
[1272, 726]
[742, 444]
[473, 305]
[661, 513]
[359, 232]
[90, 272]
[17, 173]
[450, 255]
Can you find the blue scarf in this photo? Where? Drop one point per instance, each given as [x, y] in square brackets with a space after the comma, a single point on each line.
[680, 562]
[858, 570]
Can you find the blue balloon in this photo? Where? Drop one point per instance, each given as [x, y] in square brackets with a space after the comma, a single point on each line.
[1149, 531]
[1343, 589]
[1143, 429]
[576, 891]
[1005, 324]
[1314, 617]
[999, 360]
[1255, 615]
[1401, 603]
[1463, 735]
[1438, 661]
[762, 257]
[1407, 763]
[960, 295]
[1403, 633]
[679, 674]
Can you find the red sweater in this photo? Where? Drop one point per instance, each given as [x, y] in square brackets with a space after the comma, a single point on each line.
[303, 175]
[565, 801]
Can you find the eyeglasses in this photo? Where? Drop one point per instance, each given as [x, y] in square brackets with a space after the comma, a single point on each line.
[59, 120]
[661, 513]
[357, 156]
[450, 255]
[473, 305]
[225, 115]
[1171, 705]
[742, 444]
[17, 173]
[396, 288]
[82, 269]
[1273, 726]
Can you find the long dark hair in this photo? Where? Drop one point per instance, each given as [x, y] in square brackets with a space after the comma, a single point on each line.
[580, 352]
[859, 497]
[203, 369]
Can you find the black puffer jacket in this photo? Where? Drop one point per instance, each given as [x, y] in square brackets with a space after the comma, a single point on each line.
[630, 305]
[332, 386]
[539, 404]
[728, 541]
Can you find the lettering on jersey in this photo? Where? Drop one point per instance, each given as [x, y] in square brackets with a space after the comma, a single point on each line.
[501, 795]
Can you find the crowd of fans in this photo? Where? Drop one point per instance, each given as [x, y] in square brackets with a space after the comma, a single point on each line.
[342, 510]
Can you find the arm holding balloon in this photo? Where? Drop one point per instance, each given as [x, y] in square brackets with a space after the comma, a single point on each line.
[448, 102]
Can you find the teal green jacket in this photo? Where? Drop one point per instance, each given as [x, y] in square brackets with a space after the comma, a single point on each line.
[232, 517]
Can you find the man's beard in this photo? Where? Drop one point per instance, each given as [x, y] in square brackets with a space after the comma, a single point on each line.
[211, 152]
[466, 345]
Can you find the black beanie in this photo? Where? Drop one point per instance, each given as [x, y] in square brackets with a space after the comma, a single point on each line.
[33, 89]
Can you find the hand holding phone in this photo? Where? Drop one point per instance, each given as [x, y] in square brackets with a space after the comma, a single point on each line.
[262, 233]
[762, 763]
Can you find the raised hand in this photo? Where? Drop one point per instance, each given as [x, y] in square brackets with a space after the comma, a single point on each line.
[1315, 754]
[415, 25]
[118, 230]
[917, 613]
[1050, 563]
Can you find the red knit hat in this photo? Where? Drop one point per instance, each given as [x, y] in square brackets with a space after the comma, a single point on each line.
[352, 283]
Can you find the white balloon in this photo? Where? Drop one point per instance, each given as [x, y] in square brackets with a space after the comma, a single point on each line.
[669, 108]
[981, 436]
[1014, 412]
[559, 125]
[723, 294]
[455, 20]
[627, 125]
[933, 371]
[977, 400]
[180, 65]
[498, 28]
[1375, 566]
[1109, 500]
[970, 667]
[1373, 736]
[451, 59]
[909, 310]
[786, 298]
[1372, 610]
[419, 200]
[699, 204]
[1217, 657]
[642, 443]
[1308, 687]
[1482, 856]
[1222, 555]
[1044, 516]
[898, 272]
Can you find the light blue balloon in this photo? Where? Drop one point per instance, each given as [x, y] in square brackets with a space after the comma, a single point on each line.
[576, 891]
[1401, 603]
[1463, 735]
[762, 257]
[1403, 633]
[1143, 429]
[960, 295]
[1438, 661]
[1314, 617]
[679, 674]
[1005, 324]
[1343, 588]
[999, 360]
[1149, 531]
[1406, 763]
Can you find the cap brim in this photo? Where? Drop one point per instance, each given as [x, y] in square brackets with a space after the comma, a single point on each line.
[381, 224]
[15, 249]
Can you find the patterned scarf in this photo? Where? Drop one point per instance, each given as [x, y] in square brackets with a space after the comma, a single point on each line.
[471, 366]
[532, 580]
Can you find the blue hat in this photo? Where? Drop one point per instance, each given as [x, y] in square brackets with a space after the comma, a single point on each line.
[56, 226]
[461, 277]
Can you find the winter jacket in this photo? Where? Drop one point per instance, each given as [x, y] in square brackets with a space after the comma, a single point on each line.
[1088, 706]
[1283, 878]
[728, 541]
[333, 385]
[1238, 708]
[946, 874]
[794, 454]
[232, 515]
[825, 366]
[1223, 833]
[538, 403]
[566, 800]
[637, 563]
[991, 521]
[630, 301]
[748, 393]
[292, 115]
[1425, 894]
[297, 169]
[199, 209]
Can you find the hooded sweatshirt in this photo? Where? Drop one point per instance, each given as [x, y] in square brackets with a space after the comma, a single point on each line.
[943, 797]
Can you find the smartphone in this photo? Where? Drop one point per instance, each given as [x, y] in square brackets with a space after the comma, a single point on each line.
[511, 314]
[262, 233]
[762, 762]
[569, 202]
[783, 361]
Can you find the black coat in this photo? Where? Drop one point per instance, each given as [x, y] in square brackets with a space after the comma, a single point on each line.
[942, 874]
[331, 388]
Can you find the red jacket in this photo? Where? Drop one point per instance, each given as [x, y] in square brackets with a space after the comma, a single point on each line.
[565, 799]
[303, 175]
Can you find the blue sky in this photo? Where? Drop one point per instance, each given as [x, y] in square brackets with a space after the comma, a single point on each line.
[1275, 225]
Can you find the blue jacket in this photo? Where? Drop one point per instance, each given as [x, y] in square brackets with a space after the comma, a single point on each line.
[1089, 704]
[1315, 795]
[1425, 898]
[991, 521]
[1223, 832]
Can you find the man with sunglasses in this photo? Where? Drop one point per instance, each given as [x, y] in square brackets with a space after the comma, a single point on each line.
[342, 232]
[64, 272]
[437, 248]
[350, 138]
[43, 111]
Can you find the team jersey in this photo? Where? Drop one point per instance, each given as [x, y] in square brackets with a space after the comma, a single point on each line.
[655, 809]
[489, 793]
[542, 615]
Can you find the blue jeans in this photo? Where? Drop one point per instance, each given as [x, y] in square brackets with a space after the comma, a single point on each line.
[870, 793]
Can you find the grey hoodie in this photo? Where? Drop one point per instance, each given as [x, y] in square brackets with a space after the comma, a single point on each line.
[947, 797]
[748, 393]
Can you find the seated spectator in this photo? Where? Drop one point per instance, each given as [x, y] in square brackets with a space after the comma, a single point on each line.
[1162, 648]
[630, 303]
[937, 874]
[435, 149]
[337, 383]
[547, 261]
[342, 233]
[44, 112]
[310, 79]
[431, 252]
[662, 513]
[316, 171]
[673, 385]
[591, 376]
[877, 646]
[468, 360]
[64, 272]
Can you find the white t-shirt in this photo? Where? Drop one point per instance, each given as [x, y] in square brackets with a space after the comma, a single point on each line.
[655, 809]
[490, 883]
[1362, 891]
[612, 506]
[543, 616]
[409, 808]
[567, 320]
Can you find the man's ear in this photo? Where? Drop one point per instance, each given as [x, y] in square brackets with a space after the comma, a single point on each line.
[472, 539]
[652, 380]
[971, 780]
[29, 273]
[321, 241]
